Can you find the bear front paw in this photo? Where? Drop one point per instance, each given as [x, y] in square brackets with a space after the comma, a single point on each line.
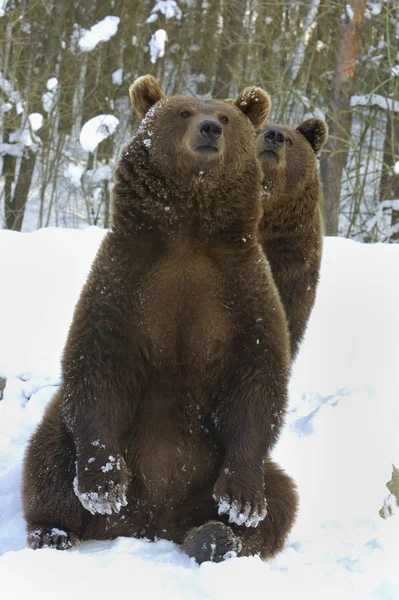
[239, 502]
[102, 488]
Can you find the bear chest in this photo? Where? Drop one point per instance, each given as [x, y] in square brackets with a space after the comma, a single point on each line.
[184, 315]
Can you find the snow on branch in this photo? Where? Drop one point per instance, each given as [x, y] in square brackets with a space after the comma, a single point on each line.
[96, 130]
[168, 8]
[376, 100]
[100, 32]
[157, 44]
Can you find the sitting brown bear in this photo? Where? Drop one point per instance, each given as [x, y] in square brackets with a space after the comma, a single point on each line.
[176, 366]
[290, 229]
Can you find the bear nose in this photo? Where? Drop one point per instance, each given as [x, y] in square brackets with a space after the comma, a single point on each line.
[210, 130]
[275, 136]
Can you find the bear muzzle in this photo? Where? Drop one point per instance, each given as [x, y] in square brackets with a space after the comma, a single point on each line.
[209, 139]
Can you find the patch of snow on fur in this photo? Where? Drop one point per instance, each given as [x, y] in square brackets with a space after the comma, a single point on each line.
[101, 503]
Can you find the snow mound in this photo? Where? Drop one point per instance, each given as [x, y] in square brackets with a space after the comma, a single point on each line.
[339, 443]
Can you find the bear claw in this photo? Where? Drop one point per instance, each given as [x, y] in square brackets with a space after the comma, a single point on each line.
[242, 514]
[46, 537]
[102, 501]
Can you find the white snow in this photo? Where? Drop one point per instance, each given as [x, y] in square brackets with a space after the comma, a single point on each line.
[13, 95]
[101, 502]
[3, 5]
[374, 8]
[99, 174]
[339, 442]
[24, 138]
[117, 76]
[48, 101]
[396, 168]
[96, 130]
[241, 515]
[168, 8]
[349, 11]
[157, 44]
[52, 83]
[376, 100]
[35, 121]
[102, 31]
[74, 174]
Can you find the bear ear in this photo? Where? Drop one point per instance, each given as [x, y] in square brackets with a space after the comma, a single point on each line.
[144, 93]
[255, 103]
[315, 131]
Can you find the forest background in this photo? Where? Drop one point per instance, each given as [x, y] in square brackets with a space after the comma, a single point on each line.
[65, 65]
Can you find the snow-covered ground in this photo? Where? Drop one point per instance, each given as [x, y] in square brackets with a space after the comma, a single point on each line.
[339, 443]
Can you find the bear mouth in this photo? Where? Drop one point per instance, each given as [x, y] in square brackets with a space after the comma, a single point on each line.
[205, 149]
[269, 154]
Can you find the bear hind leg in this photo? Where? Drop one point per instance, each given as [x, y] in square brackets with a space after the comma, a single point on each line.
[55, 517]
[43, 536]
[214, 540]
[267, 537]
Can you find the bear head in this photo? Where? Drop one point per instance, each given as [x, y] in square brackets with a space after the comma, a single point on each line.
[183, 135]
[287, 156]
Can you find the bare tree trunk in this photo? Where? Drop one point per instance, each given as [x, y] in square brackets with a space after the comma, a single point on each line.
[389, 182]
[301, 47]
[16, 208]
[209, 43]
[230, 45]
[334, 157]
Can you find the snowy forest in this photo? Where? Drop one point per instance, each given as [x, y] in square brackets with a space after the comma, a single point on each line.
[65, 69]
[65, 115]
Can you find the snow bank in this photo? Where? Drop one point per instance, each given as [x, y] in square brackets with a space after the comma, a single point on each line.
[339, 442]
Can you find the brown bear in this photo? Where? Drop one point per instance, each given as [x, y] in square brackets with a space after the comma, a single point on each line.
[175, 370]
[290, 229]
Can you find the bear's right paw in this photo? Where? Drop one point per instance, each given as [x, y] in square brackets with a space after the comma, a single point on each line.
[51, 537]
[104, 499]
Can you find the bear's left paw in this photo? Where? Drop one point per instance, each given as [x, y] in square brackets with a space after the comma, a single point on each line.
[105, 499]
[243, 506]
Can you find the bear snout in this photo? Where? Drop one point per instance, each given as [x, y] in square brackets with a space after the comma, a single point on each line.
[274, 136]
[210, 130]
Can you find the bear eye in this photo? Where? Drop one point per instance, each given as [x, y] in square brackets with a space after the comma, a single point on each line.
[288, 143]
[185, 114]
[224, 120]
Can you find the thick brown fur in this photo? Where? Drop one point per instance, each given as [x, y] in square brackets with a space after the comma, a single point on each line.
[290, 230]
[176, 366]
